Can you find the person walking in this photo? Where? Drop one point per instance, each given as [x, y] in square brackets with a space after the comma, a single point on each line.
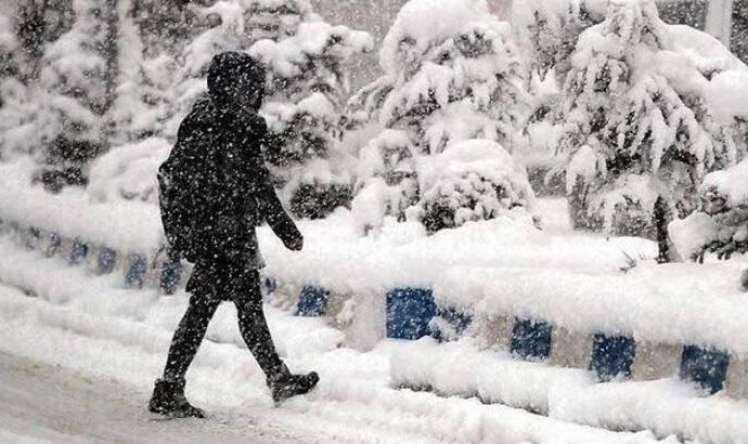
[214, 190]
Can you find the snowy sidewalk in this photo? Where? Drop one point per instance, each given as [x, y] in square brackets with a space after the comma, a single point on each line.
[115, 335]
[44, 403]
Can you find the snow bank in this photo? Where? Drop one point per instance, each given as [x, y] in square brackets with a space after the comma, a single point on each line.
[128, 226]
[674, 304]
[129, 172]
[667, 407]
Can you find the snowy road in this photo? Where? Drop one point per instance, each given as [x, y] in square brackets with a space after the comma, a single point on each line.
[42, 403]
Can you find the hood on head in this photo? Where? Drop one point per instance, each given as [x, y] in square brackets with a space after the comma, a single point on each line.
[236, 80]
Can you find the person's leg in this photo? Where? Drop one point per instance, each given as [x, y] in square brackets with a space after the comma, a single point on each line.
[254, 328]
[256, 334]
[168, 393]
[188, 336]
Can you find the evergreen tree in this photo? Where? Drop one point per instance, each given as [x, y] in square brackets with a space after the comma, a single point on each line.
[75, 89]
[12, 91]
[549, 30]
[453, 77]
[638, 135]
[307, 82]
[151, 35]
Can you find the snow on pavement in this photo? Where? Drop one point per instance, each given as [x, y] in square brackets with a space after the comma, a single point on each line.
[41, 403]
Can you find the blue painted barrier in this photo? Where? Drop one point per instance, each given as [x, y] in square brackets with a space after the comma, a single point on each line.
[135, 276]
[269, 285]
[171, 275]
[531, 339]
[78, 253]
[612, 356]
[458, 321]
[312, 301]
[106, 260]
[708, 368]
[409, 312]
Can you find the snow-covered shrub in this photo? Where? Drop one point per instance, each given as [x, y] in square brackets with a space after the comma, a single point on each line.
[721, 224]
[470, 181]
[452, 74]
[129, 172]
[636, 126]
[388, 183]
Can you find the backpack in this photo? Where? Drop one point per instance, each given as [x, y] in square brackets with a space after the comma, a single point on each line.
[175, 211]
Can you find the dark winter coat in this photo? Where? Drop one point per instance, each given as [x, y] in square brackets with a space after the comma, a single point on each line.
[226, 185]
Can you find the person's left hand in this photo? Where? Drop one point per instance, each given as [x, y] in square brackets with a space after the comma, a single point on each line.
[295, 244]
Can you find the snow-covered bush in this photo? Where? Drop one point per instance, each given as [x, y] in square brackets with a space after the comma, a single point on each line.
[388, 183]
[721, 224]
[470, 181]
[128, 172]
[637, 130]
[452, 74]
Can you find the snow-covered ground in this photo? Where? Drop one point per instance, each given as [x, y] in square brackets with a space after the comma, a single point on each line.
[579, 281]
[116, 340]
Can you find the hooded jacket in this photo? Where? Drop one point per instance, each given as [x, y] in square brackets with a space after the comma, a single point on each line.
[219, 172]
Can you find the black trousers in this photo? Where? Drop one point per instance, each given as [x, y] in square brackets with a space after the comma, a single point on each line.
[211, 284]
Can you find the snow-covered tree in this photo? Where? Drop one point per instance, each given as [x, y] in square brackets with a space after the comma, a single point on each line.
[75, 88]
[27, 28]
[307, 83]
[721, 223]
[11, 89]
[151, 35]
[452, 75]
[548, 31]
[638, 133]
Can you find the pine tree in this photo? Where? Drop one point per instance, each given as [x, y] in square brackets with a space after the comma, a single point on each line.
[446, 87]
[307, 82]
[12, 90]
[548, 32]
[151, 35]
[638, 135]
[76, 88]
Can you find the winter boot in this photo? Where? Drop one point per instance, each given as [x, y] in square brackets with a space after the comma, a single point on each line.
[287, 385]
[168, 400]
